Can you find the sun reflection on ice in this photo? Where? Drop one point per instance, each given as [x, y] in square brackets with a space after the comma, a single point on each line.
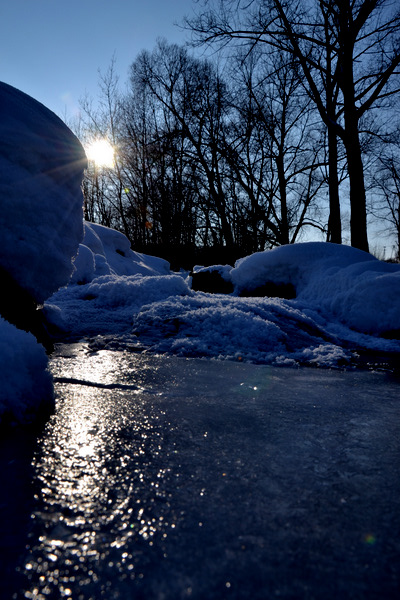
[98, 367]
[101, 481]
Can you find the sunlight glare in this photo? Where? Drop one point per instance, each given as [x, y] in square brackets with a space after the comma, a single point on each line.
[101, 152]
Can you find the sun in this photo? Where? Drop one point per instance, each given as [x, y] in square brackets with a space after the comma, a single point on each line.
[101, 152]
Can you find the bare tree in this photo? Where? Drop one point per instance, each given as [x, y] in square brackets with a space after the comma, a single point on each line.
[277, 148]
[103, 187]
[191, 91]
[360, 58]
[386, 188]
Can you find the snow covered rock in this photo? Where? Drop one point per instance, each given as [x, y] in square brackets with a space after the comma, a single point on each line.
[214, 280]
[41, 170]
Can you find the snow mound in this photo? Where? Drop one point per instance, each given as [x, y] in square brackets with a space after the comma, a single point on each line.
[106, 305]
[294, 264]
[26, 384]
[221, 326]
[41, 170]
[105, 251]
[110, 284]
[223, 270]
[346, 301]
[348, 284]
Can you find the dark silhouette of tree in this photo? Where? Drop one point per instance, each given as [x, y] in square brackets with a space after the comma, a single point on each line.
[386, 191]
[193, 94]
[277, 148]
[349, 54]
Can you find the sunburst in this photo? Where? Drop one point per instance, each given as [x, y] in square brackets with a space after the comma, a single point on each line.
[101, 152]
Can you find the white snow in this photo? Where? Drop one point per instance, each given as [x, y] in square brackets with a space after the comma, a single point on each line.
[104, 251]
[26, 384]
[348, 284]
[345, 300]
[41, 169]
[223, 270]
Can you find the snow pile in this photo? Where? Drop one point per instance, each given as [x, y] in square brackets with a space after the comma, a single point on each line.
[223, 270]
[104, 251]
[41, 169]
[26, 385]
[110, 284]
[257, 330]
[260, 330]
[345, 299]
[348, 284]
[106, 305]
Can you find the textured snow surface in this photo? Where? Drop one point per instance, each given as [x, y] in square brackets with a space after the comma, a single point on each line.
[41, 169]
[345, 300]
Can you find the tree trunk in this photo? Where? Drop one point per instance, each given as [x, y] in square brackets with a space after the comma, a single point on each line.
[284, 223]
[335, 223]
[358, 205]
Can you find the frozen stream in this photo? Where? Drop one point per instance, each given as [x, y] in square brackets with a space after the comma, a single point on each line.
[165, 478]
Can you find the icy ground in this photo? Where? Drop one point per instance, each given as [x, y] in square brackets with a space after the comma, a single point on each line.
[162, 477]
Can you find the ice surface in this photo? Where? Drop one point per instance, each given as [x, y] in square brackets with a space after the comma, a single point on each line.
[180, 478]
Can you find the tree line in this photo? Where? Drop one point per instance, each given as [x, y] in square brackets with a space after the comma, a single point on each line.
[256, 146]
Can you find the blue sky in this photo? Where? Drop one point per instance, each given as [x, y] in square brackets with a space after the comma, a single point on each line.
[53, 49]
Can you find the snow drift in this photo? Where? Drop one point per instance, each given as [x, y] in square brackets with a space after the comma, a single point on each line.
[41, 170]
[26, 384]
[352, 286]
[345, 301]
[105, 251]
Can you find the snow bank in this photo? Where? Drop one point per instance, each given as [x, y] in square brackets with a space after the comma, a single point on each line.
[223, 270]
[26, 384]
[110, 284]
[296, 264]
[345, 300]
[41, 169]
[348, 284]
[107, 304]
